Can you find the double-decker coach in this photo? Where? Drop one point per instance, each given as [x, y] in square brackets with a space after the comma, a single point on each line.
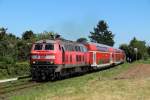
[102, 55]
[119, 56]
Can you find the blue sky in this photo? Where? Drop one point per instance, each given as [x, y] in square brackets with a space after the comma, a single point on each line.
[76, 18]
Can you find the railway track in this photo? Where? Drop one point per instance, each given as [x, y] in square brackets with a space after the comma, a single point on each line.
[9, 88]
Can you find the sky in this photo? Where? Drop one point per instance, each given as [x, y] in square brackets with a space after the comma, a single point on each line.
[77, 18]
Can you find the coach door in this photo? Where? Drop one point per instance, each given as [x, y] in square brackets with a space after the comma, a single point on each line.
[111, 58]
[94, 58]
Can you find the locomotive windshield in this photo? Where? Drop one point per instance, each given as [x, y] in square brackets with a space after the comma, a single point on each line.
[38, 47]
[47, 46]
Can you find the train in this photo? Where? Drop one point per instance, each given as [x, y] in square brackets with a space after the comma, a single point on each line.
[53, 59]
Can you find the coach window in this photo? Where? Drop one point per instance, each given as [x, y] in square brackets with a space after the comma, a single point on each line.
[69, 47]
[72, 48]
[79, 57]
[66, 47]
[49, 46]
[70, 58]
[83, 57]
[85, 50]
[66, 58]
[76, 49]
[82, 49]
[79, 48]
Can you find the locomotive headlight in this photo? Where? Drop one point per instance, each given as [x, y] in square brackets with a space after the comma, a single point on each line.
[50, 56]
[34, 56]
[33, 62]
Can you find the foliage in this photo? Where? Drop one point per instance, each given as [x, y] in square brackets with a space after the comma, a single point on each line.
[27, 35]
[23, 50]
[46, 35]
[131, 54]
[14, 69]
[148, 50]
[102, 35]
[13, 50]
[2, 32]
[82, 39]
[141, 47]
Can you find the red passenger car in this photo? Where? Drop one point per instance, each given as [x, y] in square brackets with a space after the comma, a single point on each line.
[119, 56]
[102, 55]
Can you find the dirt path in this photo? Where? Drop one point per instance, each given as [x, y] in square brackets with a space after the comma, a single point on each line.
[137, 71]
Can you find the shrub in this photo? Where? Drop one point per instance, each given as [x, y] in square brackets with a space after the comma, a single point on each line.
[22, 68]
[14, 69]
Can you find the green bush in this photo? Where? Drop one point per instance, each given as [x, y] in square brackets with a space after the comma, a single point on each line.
[22, 68]
[15, 69]
[145, 56]
[3, 73]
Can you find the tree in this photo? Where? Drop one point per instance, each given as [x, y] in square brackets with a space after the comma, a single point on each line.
[129, 51]
[45, 35]
[125, 47]
[102, 35]
[2, 32]
[23, 50]
[82, 39]
[27, 35]
[141, 46]
[142, 52]
[148, 50]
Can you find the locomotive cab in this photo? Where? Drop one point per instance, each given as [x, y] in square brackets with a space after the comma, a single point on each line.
[44, 59]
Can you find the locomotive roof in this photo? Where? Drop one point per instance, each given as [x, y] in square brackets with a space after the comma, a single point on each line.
[46, 41]
[61, 41]
[72, 43]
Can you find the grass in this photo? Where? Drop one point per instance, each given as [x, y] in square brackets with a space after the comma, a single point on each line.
[94, 86]
[144, 61]
[74, 85]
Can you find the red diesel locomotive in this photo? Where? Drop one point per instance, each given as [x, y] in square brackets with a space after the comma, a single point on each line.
[52, 59]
